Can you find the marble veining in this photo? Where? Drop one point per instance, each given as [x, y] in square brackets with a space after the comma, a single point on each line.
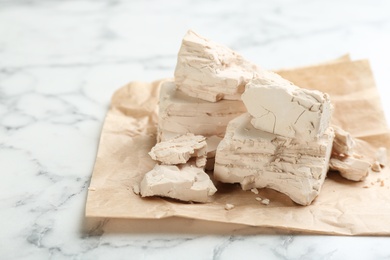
[61, 61]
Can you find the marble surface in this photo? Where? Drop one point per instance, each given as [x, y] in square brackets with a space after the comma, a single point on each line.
[60, 62]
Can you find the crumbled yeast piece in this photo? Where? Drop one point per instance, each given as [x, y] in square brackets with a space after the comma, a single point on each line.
[257, 159]
[343, 142]
[350, 168]
[185, 182]
[376, 167]
[345, 160]
[255, 191]
[212, 144]
[229, 206]
[211, 71]
[279, 107]
[180, 149]
[265, 201]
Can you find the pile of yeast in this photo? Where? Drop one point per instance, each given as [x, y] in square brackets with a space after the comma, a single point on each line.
[250, 126]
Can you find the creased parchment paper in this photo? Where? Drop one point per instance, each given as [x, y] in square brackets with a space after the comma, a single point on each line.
[343, 207]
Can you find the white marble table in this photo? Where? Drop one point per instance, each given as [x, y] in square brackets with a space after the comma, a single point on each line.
[60, 62]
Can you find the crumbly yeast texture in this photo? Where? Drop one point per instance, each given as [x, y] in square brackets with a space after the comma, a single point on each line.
[181, 114]
[350, 168]
[185, 182]
[345, 160]
[279, 107]
[180, 149]
[211, 71]
[343, 142]
[256, 158]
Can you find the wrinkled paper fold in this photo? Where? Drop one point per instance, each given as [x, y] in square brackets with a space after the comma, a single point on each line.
[343, 207]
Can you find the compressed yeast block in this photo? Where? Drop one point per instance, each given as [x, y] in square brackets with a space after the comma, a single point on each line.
[256, 158]
[281, 108]
[211, 71]
[181, 114]
[183, 182]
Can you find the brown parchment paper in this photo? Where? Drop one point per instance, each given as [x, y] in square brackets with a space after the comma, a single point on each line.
[343, 207]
